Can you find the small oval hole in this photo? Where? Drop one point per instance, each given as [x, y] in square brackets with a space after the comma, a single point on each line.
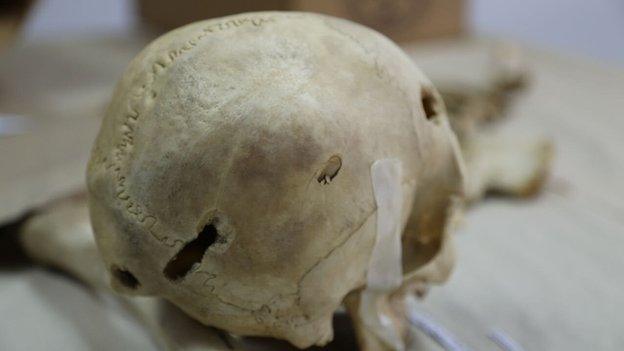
[429, 103]
[125, 278]
[331, 169]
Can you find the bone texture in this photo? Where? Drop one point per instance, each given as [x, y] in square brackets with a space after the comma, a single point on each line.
[231, 175]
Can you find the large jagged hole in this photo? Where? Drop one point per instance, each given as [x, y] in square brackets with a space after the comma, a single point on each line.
[191, 253]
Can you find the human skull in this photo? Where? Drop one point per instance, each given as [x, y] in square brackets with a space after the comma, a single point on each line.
[232, 172]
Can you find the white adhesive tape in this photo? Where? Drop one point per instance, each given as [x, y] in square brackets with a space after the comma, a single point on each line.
[385, 272]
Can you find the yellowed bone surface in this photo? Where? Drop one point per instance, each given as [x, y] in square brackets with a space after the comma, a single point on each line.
[231, 174]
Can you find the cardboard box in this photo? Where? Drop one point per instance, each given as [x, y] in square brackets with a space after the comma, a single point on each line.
[12, 14]
[401, 20]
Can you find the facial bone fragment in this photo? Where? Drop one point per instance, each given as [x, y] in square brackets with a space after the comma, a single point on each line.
[496, 163]
[231, 174]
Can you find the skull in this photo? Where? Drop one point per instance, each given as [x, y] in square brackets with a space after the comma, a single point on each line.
[232, 172]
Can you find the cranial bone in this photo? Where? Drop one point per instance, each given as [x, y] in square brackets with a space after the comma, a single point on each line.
[61, 235]
[232, 172]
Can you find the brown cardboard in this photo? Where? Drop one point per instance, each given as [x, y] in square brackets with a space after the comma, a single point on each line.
[12, 14]
[401, 20]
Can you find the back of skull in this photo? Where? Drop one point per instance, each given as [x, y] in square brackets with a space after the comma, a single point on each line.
[231, 174]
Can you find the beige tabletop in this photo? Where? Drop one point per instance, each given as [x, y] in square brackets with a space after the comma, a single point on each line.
[548, 271]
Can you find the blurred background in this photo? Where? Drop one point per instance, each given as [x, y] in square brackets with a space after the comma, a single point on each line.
[588, 28]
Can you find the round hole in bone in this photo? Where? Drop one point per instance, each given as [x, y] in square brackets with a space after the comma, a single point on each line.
[126, 278]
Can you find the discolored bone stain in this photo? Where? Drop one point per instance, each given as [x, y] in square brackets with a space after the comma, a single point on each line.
[187, 178]
[272, 156]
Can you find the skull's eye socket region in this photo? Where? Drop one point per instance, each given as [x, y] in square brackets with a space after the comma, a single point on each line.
[125, 278]
[191, 254]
